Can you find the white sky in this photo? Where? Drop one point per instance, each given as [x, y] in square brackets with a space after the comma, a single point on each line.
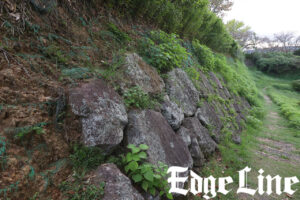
[267, 17]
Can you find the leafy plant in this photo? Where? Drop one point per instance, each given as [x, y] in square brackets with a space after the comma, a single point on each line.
[86, 158]
[55, 53]
[38, 129]
[120, 35]
[136, 97]
[151, 178]
[163, 51]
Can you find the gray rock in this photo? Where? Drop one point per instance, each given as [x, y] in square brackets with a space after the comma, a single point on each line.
[151, 128]
[102, 112]
[236, 138]
[196, 153]
[136, 72]
[191, 141]
[208, 116]
[206, 143]
[117, 185]
[173, 114]
[185, 135]
[181, 90]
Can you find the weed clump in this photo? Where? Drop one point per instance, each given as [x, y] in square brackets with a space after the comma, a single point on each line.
[163, 51]
[137, 98]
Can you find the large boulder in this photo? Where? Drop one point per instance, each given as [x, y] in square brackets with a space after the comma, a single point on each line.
[181, 90]
[151, 128]
[136, 72]
[208, 117]
[206, 143]
[117, 185]
[172, 112]
[102, 113]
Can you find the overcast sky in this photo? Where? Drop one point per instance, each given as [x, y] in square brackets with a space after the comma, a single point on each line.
[267, 17]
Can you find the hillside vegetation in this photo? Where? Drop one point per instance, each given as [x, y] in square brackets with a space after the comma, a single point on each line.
[57, 56]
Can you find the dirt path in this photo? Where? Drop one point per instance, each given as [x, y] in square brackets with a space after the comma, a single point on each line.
[274, 153]
[271, 146]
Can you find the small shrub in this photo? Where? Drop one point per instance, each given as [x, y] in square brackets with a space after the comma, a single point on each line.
[86, 158]
[136, 97]
[204, 55]
[275, 62]
[121, 36]
[152, 178]
[20, 133]
[163, 51]
[296, 85]
[55, 53]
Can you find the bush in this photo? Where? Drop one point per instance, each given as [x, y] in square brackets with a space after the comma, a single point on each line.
[296, 85]
[275, 62]
[86, 158]
[163, 51]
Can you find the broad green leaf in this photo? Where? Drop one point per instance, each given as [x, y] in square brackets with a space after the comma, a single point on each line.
[133, 148]
[126, 168]
[157, 176]
[152, 191]
[136, 157]
[133, 165]
[129, 157]
[137, 178]
[161, 193]
[130, 146]
[145, 185]
[169, 196]
[142, 155]
[149, 176]
[143, 147]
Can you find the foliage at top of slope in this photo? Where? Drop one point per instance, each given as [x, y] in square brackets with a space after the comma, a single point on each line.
[166, 51]
[191, 19]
